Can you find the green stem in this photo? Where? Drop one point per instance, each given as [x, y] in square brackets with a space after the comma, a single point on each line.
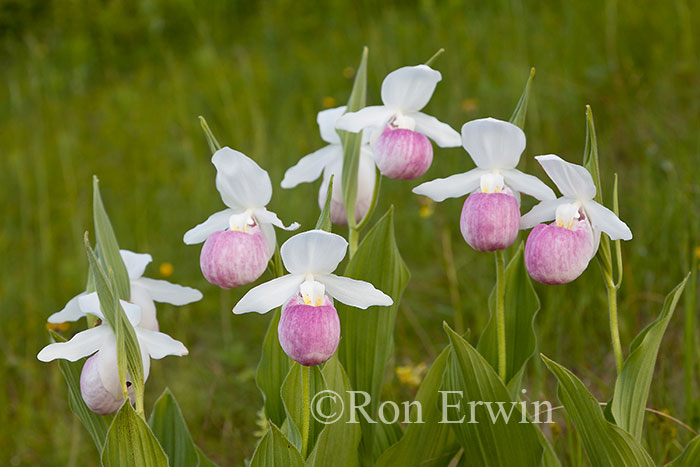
[306, 412]
[614, 326]
[501, 312]
[353, 235]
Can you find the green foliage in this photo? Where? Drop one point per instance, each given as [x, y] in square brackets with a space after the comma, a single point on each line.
[367, 341]
[489, 442]
[324, 219]
[272, 370]
[690, 455]
[292, 399]
[633, 384]
[521, 306]
[275, 450]
[605, 443]
[170, 428]
[520, 112]
[131, 442]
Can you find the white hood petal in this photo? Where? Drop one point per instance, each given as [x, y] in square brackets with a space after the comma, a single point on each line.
[409, 88]
[269, 295]
[70, 312]
[528, 184]
[166, 292]
[216, 222]
[493, 144]
[604, 220]
[543, 212]
[241, 182]
[159, 345]
[574, 181]
[326, 120]
[314, 251]
[263, 216]
[81, 345]
[372, 116]
[135, 263]
[453, 186]
[309, 167]
[443, 134]
[359, 294]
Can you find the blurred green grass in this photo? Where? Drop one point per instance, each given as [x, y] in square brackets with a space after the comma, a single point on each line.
[115, 87]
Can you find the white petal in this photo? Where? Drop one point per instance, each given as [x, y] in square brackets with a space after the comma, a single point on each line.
[605, 220]
[359, 294]
[453, 186]
[375, 115]
[314, 251]
[443, 134]
[309, 167]
[70, 312]
[574, 181]
[269, 295]
[135, 263]
[268, 232]
[90, 305]
[326, 120]
[241, 182]
[542, 212]
[159, 345]
[166, 292]
[493, 144]
[81, 345]
[133, 312]
[215, 222]
[409, 88]
[107, 365]
[528, 184]
[263, 216]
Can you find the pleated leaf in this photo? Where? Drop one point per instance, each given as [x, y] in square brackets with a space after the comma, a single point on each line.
[324, 219]
[605, 444]
[518, 117]
[690, 457]
[293, 402]
[274, 450]
[171, 430]
[498, 438]
[632, 386]
[131, 442]
[367, 340]
[272, 369]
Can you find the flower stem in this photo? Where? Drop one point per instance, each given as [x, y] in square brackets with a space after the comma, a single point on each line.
[501, 312]
[614, 327]
[306, 411]
[353, 235]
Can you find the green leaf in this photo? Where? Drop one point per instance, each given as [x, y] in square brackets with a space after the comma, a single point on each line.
[96, 425]
[211, 139]
[272, 369]
[107, 244]
[632, 386]
[338, 440]
[170, 428]
[590, 154]
[689, 457]
[128, 349]
[131, 442]
[353, 141]
[204, 461]
[605, 443]
[386, 435]
[430, 443]
[493, 440]
[324, 220]
[275, 450]
[518, 117]
[293, 402]
[521, 307]
[367, 340]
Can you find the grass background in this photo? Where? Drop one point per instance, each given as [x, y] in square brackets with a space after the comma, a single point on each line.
[114, 88]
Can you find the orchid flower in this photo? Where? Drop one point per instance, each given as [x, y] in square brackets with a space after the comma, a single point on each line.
[99, 380]
[402, 150]
[144, 292]
[309, 329]
[240, 240]
[329, 161]
[559, 252]
[490, 216]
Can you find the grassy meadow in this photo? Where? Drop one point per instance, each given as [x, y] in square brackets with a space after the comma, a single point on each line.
[114, 88]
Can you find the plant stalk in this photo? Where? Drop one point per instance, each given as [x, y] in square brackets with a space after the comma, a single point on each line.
[614, 326]
[501, 313]
[306, 412]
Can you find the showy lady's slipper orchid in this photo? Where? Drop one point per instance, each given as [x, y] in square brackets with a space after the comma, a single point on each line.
[402, 149]
[309, 328]
[491, 213]
[559, 252]
[329, 161]
[240, 240]
[99, 379]
[144, 292]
